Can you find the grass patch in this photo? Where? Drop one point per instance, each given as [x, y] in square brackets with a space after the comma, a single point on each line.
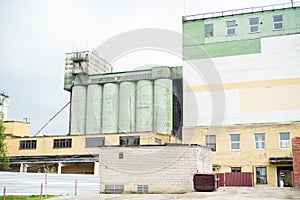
[31, 197]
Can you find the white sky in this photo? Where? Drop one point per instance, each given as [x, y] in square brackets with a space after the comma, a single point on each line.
[36, 34]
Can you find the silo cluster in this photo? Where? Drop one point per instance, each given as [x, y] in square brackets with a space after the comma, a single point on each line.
[123, 107]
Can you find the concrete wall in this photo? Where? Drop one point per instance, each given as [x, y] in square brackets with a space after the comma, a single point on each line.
[247, 157]
[163, 168]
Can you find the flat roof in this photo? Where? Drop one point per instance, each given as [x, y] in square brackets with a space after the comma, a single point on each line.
[241, 11]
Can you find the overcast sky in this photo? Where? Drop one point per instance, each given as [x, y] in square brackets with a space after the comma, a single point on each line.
[36, 34]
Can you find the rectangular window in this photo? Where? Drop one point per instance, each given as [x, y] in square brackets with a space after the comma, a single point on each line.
[121, 155]
[129, 140]
[277, 22]
[284, 140]
[210, 141]
[209, 30]
[157, 141]
[142, 188]
[114, 188]
[94, 142]
[235, 142]
[62, 143]
[236, 169]
[27, 144]
[230, 27]
[259, 141]
[261, 175]
[254, 25]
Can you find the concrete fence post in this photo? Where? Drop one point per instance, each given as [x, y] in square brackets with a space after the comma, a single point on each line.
[41, 192]
[75, 187]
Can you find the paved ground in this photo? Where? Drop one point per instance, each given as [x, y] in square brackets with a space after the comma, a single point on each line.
[227, 193]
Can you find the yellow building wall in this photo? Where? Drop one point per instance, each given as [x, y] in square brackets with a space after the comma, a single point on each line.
[45, 144]
[17, 128]
[247, 157]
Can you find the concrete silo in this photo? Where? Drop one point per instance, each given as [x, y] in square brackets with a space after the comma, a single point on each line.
[144, 106]
[94, 109]
[163, 106]
[78, 110]
[110, 108]
[127, 106]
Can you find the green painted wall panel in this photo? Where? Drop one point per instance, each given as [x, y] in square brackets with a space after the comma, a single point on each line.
[212, 50]
[242, 39]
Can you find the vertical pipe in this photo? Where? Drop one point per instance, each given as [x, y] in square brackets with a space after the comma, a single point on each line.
[41, 192]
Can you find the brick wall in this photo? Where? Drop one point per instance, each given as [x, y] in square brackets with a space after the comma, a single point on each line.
[162, 168]
[296, 161]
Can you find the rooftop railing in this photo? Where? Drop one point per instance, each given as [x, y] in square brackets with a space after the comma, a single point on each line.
[241, 11]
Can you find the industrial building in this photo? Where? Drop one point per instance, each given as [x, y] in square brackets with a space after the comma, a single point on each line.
[122, 102]
[248, 110]
[240, 97]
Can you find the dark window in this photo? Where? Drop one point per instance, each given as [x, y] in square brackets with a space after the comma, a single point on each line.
[94, 142]
[211, 142]
[157, 141]
[261, 175]
[62, 143]
[114, 188]
[142, 188]
[230, 27]
[236, 169]
[129, 140]
[254, 25]
[277, 22]
[28, 144]
[209, 30]
[121, 155]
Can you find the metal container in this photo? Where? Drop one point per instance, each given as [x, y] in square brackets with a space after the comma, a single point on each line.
[205, 182]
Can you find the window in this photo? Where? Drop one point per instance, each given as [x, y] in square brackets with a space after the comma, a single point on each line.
[94, 142]
[211, 142]
[284, 140]
[209, 30]
[236, 169]
[114, 188]
[259, 141]
[129, 140]
[261, 175]
[277, 22]
[254, 25]
[121, 155]
[62, 143]
[142, 188]
[27, 144]
[235, 142]
[157, 141]
[230, 26]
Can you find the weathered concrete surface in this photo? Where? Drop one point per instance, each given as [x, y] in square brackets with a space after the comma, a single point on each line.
[226, 193]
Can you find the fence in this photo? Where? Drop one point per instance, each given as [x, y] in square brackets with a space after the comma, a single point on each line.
[56, 184]
[239, 179]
